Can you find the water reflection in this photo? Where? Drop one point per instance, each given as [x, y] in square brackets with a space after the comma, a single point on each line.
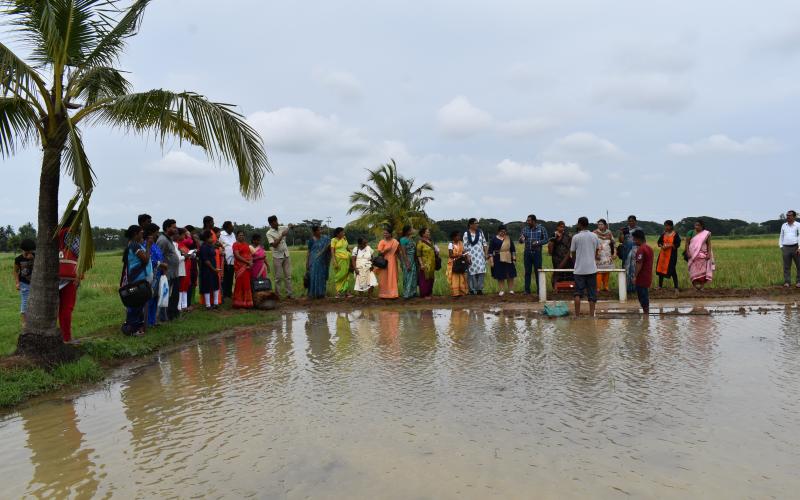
[438, 403]
[62, 465]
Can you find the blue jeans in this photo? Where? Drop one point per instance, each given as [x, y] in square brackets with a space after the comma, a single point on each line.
[152, 311]
[475, 282]
[24, 292]
[644, 296]
[533, 262]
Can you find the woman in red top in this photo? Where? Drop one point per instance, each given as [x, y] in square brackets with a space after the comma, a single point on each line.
[242, 262]
[184, 243]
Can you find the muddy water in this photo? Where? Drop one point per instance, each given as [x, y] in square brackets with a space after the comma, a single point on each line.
[435, 404]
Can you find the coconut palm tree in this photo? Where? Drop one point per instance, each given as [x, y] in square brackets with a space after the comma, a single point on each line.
[389, 199]
[69, 81]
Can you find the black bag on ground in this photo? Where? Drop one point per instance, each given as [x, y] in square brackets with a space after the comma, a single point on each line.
[460, 265]
[262, 285]
[380, 262]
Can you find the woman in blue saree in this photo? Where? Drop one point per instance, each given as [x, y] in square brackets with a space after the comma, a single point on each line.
[318, 263]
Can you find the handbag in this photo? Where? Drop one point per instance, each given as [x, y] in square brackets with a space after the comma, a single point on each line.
[136, 295]
[262, 285]
[460, 265]
[306, 280]
[380, 262]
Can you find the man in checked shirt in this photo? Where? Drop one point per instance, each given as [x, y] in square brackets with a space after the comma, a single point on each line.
[533, 237]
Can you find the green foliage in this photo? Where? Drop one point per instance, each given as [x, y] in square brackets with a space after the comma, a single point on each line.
[389, 199]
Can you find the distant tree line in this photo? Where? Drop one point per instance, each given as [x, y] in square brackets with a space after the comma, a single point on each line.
[10, 239]
[108, 238]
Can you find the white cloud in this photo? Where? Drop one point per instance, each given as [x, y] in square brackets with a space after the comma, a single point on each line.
[648, 92]
[180, 164]
[583, 145]
[459, 118]
[300, 130]
[524, 127]
[342, 83]
[722, 144]
[553, 174]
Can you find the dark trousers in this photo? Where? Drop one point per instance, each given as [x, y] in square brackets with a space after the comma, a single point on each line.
[673, 275]
[227, 281]
[134, 319]
[174, 296]
[533, 262]
[789, 256]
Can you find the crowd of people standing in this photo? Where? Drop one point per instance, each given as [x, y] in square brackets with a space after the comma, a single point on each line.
[224, 264]
[190, 267]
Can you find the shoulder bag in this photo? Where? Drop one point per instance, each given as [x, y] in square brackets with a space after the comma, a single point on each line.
[136, 294]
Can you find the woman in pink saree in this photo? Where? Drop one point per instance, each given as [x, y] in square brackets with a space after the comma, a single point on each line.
[260, 268]
[701, 257]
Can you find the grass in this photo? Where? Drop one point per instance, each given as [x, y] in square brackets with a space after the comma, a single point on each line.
[745, 263]
[17, 385]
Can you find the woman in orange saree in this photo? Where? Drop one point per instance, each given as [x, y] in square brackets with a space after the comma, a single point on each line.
[387, 278]
[669, 243]
[242, 262]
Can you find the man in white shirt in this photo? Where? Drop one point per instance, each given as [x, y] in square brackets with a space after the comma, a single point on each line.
[227, 237]
[276, 237]
[790, 246]
[584, 248]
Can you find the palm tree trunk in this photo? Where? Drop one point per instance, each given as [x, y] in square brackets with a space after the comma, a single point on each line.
[41, 338]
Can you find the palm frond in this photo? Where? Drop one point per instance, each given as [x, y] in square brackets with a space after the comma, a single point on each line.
[58, 32]
[19, 125]
[19, 79]
[95, 84]
[76, 162]
[389, 199]
[82, 226]
[223, 133]
[113, 37]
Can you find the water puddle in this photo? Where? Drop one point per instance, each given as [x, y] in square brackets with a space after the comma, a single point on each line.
[435, 404]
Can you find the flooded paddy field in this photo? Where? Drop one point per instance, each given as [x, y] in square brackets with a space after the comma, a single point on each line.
[463, 403]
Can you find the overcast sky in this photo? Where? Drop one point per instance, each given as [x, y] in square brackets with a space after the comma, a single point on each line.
[664, 109]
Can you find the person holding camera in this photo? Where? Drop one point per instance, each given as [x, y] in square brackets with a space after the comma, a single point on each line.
[281, 262]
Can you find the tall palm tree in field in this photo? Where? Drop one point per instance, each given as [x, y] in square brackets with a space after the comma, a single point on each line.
[69, 80]
[389, 199]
